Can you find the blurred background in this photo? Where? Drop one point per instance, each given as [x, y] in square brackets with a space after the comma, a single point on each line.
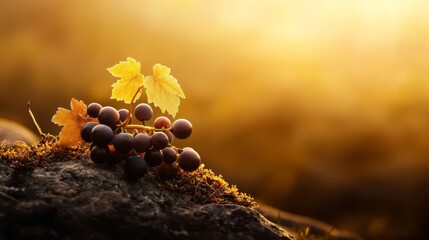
[319, 108]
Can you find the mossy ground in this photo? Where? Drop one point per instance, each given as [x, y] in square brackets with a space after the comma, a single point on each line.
[207, 187]
[202, 184]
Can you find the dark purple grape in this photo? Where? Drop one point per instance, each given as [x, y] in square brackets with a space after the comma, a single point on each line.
[143, 112]
[181, 128]
[123, 142]
[135, 167]
[142, 142]
[102, 134]
[159, 140]
[189, 160]
[153, 157]
[123, 113]
[167, 171]
[169, 155]
[93, 109]
[99, 154]
[162, 122]
[108, 116]
[85, 133]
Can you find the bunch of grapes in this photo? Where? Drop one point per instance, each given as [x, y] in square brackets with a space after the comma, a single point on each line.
[115, 139]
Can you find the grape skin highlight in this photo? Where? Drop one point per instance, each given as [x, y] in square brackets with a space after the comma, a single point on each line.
[162, 122]
[143, 112]
[93, 109]
[102, 134]
[159, 140]
[181, 128]
[108, 116]
[189, 160]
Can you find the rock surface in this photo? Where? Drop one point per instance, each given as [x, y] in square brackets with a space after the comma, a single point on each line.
[80, 200]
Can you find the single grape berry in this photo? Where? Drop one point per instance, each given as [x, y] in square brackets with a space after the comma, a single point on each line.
[135, 167]
[143, 112]
[123, 113]
[99, 154]
[189, 160]
[181, 128]
[142, 142]
[93, 109]
[169, 155]
[123, 142]
[85, 133]
[102, 134]
[162, 122]
[159, 140]
[167, 171]
[108, 116]
[153, 157]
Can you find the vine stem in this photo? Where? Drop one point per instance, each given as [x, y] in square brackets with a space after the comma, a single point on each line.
[34, 120]
[125, 123]
[141, 127]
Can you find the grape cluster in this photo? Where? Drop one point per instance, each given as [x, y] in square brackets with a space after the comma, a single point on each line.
[115, 139]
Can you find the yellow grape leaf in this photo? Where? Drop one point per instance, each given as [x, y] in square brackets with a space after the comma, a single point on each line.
[163, 89]
[72, 121]
[131, 79]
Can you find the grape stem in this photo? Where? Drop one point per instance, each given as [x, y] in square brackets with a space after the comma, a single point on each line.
[175, 148]
[145, 128]
[125, 123]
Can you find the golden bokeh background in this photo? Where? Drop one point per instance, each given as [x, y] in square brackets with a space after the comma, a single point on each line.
[319, 108]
